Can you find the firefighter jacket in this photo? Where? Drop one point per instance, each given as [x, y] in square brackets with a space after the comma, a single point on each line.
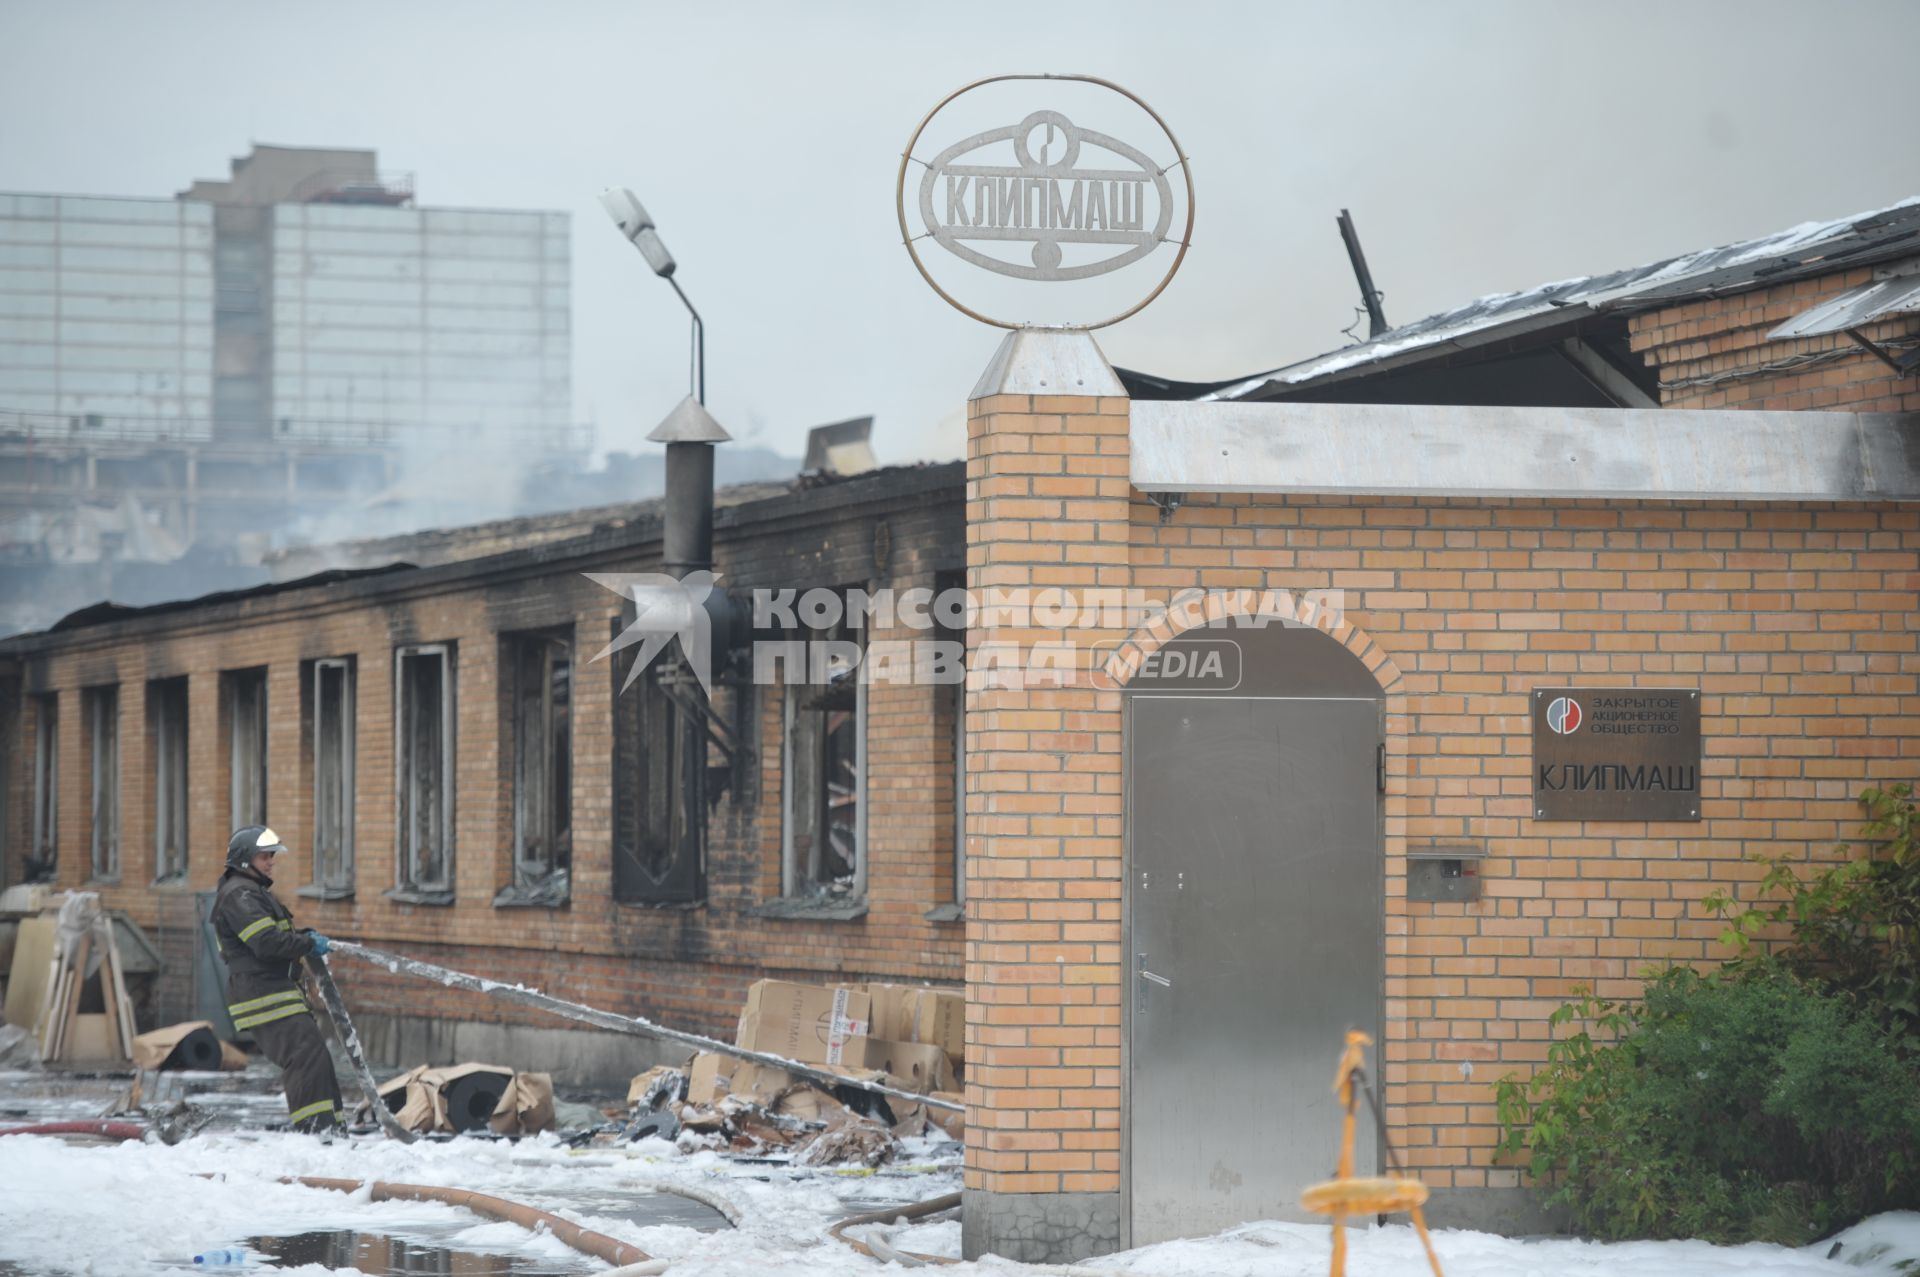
[261, 949]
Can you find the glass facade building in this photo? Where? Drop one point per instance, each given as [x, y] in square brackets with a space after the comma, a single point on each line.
[449, 319]
[106, 315]
[184, 320]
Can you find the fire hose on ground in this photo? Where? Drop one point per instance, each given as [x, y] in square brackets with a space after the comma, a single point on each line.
[633, 1026]
[106, 1130]
[881, 1250]
[584, 1240]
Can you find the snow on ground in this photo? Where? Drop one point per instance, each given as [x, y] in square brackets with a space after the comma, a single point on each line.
[142, 1209]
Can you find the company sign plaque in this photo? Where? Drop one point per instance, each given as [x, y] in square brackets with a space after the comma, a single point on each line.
[1616, 753]
[1048, 196]
[1045, 197]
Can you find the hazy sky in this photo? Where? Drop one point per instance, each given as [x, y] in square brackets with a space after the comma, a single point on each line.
[1482, 147]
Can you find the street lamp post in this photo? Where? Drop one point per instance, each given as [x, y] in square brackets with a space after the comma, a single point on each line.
[631, 216]
[689, 431]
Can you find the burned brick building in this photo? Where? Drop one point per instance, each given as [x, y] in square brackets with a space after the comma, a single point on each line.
[463, 778]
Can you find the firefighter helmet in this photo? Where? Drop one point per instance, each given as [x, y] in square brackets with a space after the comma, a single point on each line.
[249, 842]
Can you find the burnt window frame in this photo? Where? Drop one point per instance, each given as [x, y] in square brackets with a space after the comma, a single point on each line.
[100, 714]
[241, 691]
[169, 711]
[43, 836]
[539, 878]
[340, 885]
[409, 885]
[949, 628]
[802, 887]
[659, 834]
[960, 797]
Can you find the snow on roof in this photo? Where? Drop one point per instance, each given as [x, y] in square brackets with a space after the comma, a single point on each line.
[1850, 240]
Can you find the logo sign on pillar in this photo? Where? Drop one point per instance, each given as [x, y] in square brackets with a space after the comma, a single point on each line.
[1616, 753]
[1045, 199]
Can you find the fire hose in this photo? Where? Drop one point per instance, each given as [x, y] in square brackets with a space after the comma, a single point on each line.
[532, 1218]
[106, 1130]
[885, 1253]
[881, 1248]
[635, 1026]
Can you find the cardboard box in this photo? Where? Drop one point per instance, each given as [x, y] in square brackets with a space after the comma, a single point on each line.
[892, 1010]
[802, 1021]
[708, 1078]
[938, 1016]
[761, 1084]
[911, 1066]
[715, 1076]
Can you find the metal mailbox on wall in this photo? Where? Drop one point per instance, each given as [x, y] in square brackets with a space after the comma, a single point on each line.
[1616, 753]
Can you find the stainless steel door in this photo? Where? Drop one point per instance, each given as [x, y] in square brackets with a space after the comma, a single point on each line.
[1255, 941]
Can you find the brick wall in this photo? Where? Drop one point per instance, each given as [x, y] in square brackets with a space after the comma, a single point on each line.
[1793, 621]
[686, 967]
[1047, 496]
[1714, 353]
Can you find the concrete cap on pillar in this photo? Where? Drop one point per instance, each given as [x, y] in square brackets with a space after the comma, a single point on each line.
[1049, 361]
[689, 423]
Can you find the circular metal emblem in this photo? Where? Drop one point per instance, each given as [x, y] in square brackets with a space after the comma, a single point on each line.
[1037, 185]
[1563, 716]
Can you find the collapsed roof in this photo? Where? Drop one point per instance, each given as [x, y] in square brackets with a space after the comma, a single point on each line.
[1537, 317]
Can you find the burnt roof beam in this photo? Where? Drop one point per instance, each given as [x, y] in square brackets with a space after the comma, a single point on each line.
[1610, 381]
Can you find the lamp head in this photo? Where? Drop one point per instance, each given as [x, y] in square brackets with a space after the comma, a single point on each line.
[631, 216]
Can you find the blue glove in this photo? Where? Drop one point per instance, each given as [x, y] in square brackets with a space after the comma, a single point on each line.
[320, 944]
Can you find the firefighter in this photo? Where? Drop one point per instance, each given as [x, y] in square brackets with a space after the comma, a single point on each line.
[263, 954]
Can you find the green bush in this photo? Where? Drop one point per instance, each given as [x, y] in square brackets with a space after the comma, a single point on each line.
[1774, 1099]
[1855, 926]
[1735, 1106]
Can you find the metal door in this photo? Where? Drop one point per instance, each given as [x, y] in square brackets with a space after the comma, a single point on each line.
[1256, 940]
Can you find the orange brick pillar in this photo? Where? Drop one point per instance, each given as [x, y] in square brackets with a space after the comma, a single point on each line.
[1047, 501]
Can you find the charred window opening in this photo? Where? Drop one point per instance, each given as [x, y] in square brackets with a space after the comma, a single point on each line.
[950, 716]
[102, 710]
[659, 784]
[246, 697]
[825, 773]
[332, 742]
[423, 750]
[540, 688]
[43, 857]
[957, 699]
[167, 729]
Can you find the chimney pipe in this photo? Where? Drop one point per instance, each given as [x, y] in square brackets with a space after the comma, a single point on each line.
[1376, 317]
[686, 537]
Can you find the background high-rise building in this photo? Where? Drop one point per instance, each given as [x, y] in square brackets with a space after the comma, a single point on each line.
[293, 351]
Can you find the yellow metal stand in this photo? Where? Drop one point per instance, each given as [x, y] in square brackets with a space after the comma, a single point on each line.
[1343, 1195]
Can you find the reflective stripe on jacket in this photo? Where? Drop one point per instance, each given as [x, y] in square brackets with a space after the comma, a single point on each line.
[261, 949]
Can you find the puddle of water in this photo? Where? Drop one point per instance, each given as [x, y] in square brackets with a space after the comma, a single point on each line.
[386, 1256]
